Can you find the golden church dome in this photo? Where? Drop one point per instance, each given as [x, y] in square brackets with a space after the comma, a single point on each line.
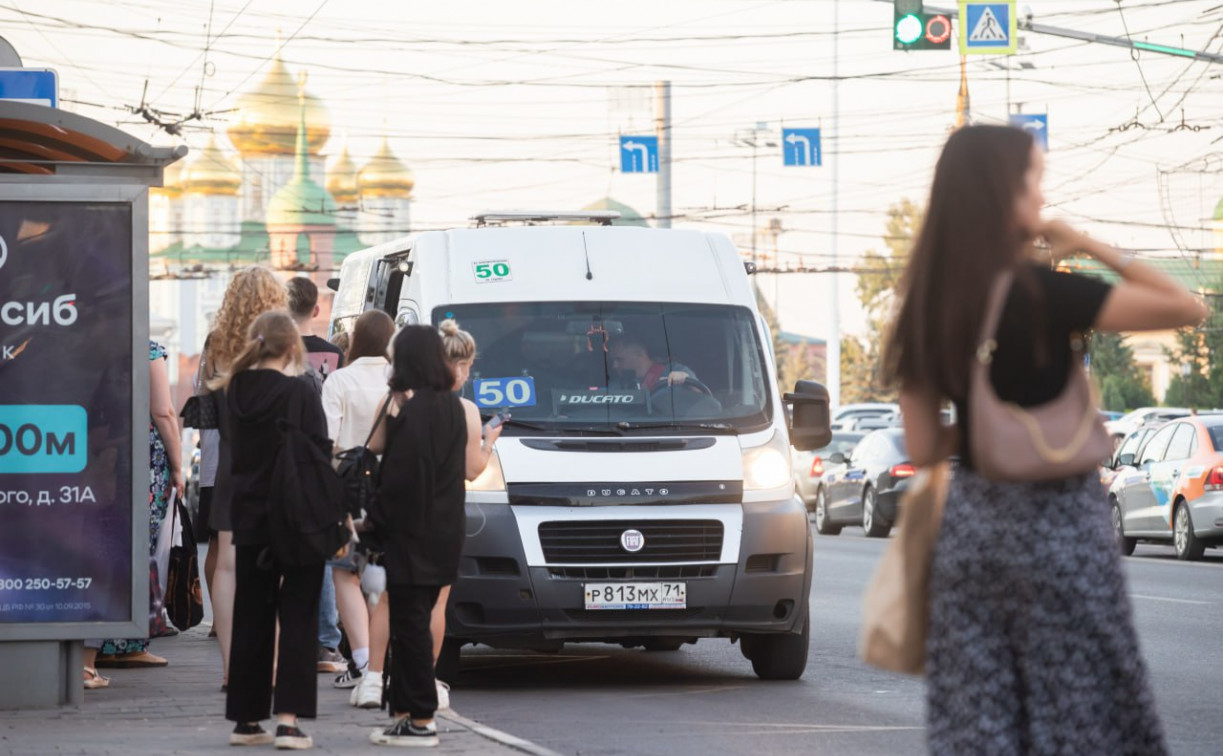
[211, 172]
[342, 179]
[266, 118]
[385, 176]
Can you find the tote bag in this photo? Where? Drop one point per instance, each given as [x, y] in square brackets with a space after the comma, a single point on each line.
[184, 598]
[896, 607]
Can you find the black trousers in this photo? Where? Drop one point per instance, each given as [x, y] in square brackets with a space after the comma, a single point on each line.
[413, 687]
[268, 592]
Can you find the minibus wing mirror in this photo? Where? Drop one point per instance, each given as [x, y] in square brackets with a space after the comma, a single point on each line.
[810, 417]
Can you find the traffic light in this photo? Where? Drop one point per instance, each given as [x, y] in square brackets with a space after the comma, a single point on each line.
[914, 29]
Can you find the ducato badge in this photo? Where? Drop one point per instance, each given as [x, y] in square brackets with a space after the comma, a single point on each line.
[632, 541]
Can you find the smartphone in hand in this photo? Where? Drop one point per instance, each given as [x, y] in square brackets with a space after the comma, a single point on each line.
[497, 420]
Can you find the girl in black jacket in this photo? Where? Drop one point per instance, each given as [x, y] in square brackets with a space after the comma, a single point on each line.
[262, 390]
[420, 518]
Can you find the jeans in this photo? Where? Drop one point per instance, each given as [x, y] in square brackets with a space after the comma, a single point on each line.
[328, 615]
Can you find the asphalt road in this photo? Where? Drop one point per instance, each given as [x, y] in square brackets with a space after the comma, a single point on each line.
[704, 699]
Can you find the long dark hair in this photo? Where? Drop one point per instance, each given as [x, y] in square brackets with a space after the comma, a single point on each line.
[371, 335]
[419, 361]
[969, 236]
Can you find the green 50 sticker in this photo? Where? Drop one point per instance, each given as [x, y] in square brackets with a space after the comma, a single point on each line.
[493, 270]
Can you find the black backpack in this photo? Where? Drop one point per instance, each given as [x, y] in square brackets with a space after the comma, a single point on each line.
[306, 513]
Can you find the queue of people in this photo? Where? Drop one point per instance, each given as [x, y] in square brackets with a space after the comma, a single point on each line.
[278, 624]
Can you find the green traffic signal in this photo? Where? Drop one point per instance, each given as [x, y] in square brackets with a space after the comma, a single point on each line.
[909, 28]
[915, 29]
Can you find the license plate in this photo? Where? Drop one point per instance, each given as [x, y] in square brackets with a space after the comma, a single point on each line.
[636, 596]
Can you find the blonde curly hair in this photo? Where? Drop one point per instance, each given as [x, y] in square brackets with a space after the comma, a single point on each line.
[252, 292]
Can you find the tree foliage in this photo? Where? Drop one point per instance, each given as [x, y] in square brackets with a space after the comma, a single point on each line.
[1121, 383]
[1198, 379]
[792, 363]
[878, 280]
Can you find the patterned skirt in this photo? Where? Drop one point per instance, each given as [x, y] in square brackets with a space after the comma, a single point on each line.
[1032, 648]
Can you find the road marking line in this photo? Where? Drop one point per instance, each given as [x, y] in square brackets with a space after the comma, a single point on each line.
[1172, 600]
[686, 691]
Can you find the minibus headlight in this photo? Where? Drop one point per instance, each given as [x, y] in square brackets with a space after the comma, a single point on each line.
[766, 466]
[491, 479]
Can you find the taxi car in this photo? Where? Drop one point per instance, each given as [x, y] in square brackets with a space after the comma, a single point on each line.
[1174, 489]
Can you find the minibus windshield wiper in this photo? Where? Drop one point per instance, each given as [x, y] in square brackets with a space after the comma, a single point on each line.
[513, 423]
[706, 427]
[561, 429]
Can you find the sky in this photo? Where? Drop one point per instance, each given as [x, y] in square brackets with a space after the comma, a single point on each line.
[517, 104]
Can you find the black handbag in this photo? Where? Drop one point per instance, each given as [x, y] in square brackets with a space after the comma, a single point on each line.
[184, 599]
[358, 470]
[200, 412]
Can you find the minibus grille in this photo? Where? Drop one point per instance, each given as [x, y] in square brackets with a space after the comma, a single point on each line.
[638, 572]
[599, 542]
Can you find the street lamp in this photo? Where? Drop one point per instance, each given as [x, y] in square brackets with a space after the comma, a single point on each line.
[755, 137]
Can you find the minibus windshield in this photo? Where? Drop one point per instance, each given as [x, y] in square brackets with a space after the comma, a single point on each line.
[615, 365]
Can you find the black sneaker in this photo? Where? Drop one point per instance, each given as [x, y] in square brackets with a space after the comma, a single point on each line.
[292, 739]
[403, 733]
[351, 677]
[249, 733]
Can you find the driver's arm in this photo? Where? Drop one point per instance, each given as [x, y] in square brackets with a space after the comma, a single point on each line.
[679, 374]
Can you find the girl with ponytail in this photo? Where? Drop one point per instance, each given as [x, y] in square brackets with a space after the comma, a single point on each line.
[262, 391]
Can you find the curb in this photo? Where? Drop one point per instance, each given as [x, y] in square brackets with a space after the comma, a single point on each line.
[497, 736]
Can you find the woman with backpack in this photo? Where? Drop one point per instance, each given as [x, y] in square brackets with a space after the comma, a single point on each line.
[420, 520]
[1031, 646]
[262, 392]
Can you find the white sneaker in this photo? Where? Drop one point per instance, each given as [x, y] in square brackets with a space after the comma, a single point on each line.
[368, 693]
[443, 696]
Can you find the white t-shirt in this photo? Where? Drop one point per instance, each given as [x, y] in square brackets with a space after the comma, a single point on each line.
[352, 397]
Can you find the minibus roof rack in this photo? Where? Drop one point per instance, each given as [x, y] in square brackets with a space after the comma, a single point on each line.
[602, 217]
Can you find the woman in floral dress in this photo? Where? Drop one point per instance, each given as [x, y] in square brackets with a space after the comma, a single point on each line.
[165, 475]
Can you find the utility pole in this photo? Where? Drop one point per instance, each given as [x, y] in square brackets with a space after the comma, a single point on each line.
[662, 129]
[755, 137]
[833, 352]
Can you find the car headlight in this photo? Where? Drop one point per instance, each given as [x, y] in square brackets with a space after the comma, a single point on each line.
[492, 479]
[767, 466]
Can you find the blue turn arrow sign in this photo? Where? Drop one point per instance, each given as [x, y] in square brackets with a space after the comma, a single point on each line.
[1036, 124]
[639, 154]
[801, 147]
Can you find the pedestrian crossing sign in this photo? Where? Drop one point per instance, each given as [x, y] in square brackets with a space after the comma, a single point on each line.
[988, 27]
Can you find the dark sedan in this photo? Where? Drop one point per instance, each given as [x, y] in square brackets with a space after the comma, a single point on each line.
[865, 488]
[809, 466]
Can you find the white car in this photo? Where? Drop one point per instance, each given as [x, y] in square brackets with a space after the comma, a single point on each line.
[848, 417]
[1132, 421]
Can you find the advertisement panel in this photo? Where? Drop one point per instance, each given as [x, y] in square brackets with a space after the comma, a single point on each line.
[70, 419]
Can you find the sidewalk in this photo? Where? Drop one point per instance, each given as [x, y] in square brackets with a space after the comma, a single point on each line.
[179, 709]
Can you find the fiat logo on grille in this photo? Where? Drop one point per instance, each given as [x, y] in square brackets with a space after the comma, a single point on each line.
[632, 541]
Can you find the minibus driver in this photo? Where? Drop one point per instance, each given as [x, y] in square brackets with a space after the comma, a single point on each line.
[630, 355]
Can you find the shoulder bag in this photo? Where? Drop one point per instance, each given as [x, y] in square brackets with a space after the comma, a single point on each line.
[1060, 439]
[200, 410]
[358, 469]
[183, 597]
[896, 606]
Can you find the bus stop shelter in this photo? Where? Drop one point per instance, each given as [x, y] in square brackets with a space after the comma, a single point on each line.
[74, 394]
